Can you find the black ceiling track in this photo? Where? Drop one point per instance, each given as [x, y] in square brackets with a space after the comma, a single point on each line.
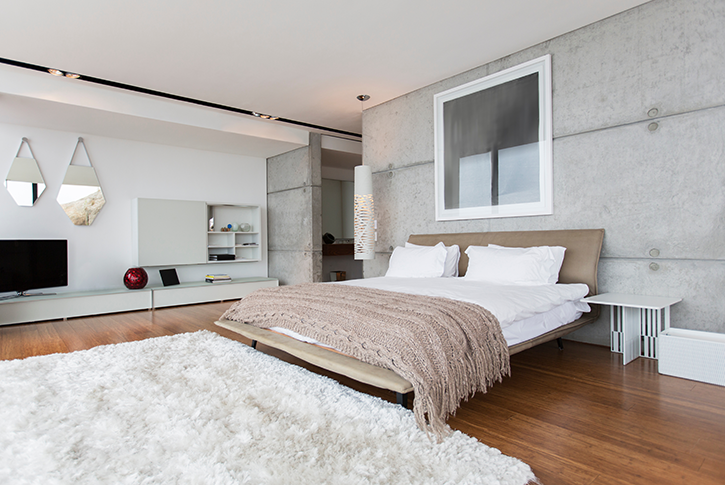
[175, 97]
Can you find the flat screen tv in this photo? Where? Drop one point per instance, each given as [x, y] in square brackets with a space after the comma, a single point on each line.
[32, 264]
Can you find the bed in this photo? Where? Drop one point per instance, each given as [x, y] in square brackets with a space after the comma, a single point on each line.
[583, 247]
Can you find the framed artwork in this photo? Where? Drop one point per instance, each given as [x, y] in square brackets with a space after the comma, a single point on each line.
[493, 145]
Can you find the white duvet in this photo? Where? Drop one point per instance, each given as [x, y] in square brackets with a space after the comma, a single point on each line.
[524, 312]
[507, 303]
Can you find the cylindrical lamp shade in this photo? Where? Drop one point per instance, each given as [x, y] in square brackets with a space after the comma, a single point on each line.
[364, 213]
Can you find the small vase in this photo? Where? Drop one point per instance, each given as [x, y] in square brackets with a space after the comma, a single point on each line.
[135, 278]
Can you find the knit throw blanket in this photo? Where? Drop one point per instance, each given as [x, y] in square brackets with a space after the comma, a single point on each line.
[448, 350]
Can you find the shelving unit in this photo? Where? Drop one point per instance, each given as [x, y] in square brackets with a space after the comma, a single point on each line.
[244, 246]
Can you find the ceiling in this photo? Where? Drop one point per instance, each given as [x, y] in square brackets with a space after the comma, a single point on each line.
[300, 60]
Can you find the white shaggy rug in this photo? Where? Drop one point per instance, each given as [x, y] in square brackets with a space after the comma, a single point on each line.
[202, 409]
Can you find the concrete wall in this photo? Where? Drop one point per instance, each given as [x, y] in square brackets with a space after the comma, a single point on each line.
[660, 189]
[294, 200]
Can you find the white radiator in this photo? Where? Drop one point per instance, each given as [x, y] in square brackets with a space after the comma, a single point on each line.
[693, 354]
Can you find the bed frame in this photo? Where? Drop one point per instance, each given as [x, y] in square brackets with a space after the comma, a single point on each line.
[580, 266]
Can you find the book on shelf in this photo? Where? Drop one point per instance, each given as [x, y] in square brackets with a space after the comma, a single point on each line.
[211, 280]
[218, 277]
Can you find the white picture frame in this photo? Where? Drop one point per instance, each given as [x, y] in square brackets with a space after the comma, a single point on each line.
[493, 145]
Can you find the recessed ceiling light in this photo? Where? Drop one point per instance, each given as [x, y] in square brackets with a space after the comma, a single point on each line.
[265, 117]
[72, 75]
[56, 72]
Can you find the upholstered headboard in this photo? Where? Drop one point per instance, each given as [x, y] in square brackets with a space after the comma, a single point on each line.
[581, 259]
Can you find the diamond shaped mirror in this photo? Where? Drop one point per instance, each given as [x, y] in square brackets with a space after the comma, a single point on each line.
[80, 195]
[24, 181]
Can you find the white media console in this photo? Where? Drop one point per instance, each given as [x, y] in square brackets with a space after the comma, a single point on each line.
[166, 233]
[67, 305]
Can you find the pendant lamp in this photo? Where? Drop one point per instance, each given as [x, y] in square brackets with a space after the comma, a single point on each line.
[364, 218]
[364, 213]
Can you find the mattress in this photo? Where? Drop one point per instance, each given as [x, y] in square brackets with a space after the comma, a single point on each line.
[524, 312]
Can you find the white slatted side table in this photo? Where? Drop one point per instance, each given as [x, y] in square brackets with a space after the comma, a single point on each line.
[636, 322]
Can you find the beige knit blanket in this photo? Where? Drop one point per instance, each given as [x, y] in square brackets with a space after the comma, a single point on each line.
[448, 350]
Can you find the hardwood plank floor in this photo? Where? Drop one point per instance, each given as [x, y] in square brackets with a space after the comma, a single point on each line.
[576, 416]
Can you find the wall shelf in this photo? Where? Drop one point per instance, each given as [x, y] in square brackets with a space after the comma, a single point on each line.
[338, 249]
[233, 242]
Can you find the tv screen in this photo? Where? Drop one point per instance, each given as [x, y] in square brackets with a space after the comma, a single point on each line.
[31, 264]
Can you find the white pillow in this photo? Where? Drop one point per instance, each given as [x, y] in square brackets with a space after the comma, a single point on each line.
[418, 262]
[509, 266]
[451, 266]
[556, 252]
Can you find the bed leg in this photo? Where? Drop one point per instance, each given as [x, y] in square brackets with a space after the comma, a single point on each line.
[254, 344]
[402, 399]
[560, 343]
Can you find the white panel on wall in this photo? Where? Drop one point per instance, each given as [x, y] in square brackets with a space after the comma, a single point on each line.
[169, 232]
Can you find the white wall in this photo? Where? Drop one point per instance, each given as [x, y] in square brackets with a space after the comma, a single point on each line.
[100, 254]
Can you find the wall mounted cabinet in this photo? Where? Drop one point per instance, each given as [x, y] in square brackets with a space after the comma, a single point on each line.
[181, 232]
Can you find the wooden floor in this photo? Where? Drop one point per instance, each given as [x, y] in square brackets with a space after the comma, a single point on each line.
[576, 416]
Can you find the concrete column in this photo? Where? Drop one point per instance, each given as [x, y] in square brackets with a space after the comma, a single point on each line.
[294, 214]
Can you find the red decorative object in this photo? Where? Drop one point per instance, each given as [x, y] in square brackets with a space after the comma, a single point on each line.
[135, 278]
